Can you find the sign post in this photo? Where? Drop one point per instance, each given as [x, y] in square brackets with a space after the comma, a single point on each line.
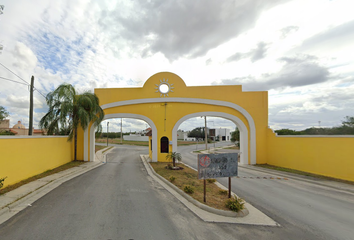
[217, 166]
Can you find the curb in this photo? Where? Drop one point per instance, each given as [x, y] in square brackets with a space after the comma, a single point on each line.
[241, 213]
[10, 209]
[298, 178]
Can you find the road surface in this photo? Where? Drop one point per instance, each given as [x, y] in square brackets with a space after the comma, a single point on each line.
[324, 212]
[120, 201]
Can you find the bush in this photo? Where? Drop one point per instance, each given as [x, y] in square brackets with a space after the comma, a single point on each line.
[235, 204]
[169, 166]
[188, 189]
[172, 178]
[2, 182]
[223, 192]
[211, 180]
[6, 133]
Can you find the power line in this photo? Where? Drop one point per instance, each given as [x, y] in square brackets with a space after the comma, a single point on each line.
[21, 79]
[14, 73]
[14, 81]
[39, 92]
[7, 79]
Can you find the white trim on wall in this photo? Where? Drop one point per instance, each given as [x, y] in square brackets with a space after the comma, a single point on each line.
[241, 126]
[200, 101]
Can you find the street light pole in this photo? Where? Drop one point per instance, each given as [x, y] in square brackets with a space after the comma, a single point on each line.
[107, 132]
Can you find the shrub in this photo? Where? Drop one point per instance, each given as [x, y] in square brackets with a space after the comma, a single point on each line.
[235, 204]
[211, 180]
[172, 178]
[223, 192]
[188, 189]
[169, 166]
[2, 182]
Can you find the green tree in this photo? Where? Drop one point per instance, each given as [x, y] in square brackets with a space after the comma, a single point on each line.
[197, 133]
[348, 122]
[3, 113]
[71, 110]
[286, 131]
[235, 136]
[174, 156]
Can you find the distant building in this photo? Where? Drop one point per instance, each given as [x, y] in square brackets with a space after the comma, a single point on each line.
[144, 132]
[182, 135]
[18, 129]
[221, 134]
[4, 124]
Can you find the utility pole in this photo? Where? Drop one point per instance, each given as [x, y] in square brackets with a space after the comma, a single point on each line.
[121, 131]
[30, 128]
[1, 9]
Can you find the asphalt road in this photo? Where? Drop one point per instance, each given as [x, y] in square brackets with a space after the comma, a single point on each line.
[120, 201]
[320, 212]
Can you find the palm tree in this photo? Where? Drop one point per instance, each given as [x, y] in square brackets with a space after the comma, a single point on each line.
[71, 110]
[174, 156]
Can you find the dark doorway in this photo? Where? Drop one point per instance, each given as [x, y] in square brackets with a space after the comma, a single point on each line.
[164, 145]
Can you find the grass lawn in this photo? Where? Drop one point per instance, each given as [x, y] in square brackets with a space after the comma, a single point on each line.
[187, 176]
[233, 147]
[98, 147]
[42, 175]
[289, 170]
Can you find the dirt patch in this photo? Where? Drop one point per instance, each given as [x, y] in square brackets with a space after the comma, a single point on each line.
[215, 196]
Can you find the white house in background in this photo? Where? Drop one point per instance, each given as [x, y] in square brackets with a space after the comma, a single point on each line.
[144, 132]
[182, 135]
[223, 134]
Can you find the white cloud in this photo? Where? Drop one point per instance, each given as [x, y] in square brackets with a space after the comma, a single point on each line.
[281, 46]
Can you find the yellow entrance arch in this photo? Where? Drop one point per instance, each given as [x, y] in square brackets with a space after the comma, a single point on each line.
[165, 101]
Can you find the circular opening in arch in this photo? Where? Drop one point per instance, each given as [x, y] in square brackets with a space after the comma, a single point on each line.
[164, 88]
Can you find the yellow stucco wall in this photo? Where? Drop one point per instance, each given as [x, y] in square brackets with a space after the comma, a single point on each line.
[331, 156]
[25, 157]
[255, 103]
[174, 111]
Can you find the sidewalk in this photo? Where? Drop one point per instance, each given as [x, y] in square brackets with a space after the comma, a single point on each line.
[22, 197]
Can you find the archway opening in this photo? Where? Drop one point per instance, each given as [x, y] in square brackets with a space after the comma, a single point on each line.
[123, 131]
[220, 128]
[122, 128]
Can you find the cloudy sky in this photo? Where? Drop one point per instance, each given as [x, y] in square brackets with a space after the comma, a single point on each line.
[300, 51]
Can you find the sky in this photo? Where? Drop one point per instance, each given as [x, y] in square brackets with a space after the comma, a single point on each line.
[300, 51]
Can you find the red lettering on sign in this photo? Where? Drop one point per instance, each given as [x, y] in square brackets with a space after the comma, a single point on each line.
[204, 161]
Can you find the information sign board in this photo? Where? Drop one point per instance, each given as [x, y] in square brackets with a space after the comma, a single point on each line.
[217, 165]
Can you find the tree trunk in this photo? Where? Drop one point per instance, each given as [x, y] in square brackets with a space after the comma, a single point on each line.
[75, 143]
[174, 162]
